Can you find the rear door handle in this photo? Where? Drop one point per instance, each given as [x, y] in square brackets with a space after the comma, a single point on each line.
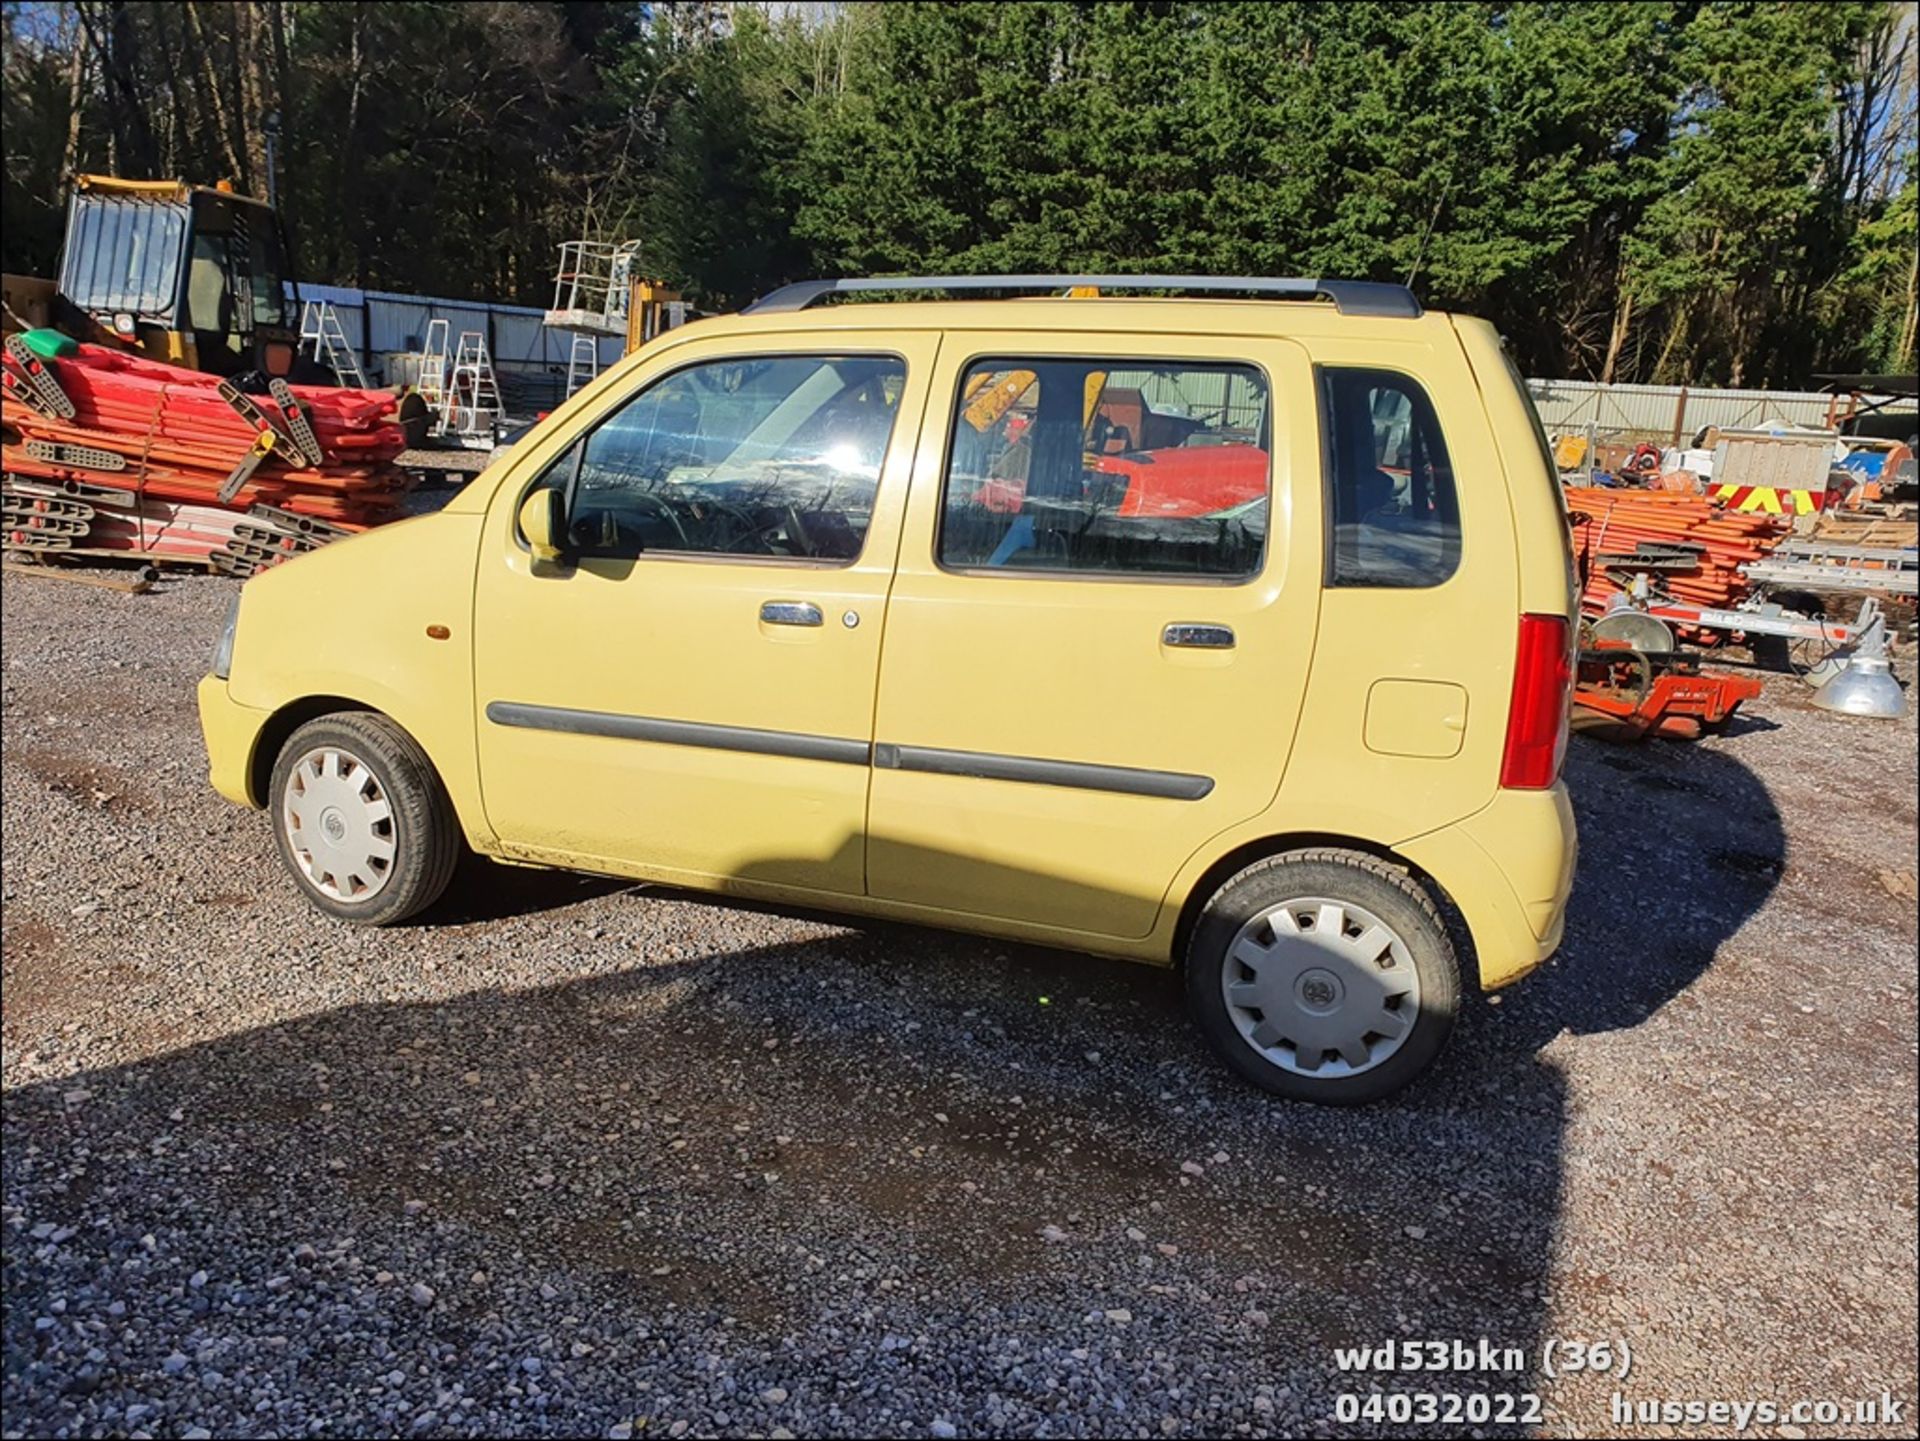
[1198, 635]
[790, 612]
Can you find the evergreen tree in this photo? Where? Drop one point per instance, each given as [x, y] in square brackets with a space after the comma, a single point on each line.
[1667, 189]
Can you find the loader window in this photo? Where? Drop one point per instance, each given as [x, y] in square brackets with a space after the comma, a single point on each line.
[1108, 466]
[1394, 515]
[234, 277]
[768, 456]
[123, 255]
[209, 296]
[269, 274]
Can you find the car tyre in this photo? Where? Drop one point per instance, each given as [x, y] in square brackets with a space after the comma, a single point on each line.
[1324, 975]
[362, 822]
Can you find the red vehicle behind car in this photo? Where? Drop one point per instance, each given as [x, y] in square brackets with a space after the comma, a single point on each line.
[1177, 483]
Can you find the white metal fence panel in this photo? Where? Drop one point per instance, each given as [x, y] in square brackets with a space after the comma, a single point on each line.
[1660, 410]
[519, 338]
[381, 324]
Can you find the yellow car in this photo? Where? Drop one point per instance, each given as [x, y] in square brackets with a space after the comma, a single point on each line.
[1228, 626]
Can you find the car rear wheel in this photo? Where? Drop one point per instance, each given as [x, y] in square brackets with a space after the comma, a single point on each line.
[362, 822]
[1324, 975]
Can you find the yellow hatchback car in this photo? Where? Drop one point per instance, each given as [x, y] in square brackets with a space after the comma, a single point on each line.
[1231, 632]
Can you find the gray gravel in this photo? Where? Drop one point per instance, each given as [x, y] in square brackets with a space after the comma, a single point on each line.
[576, 1157]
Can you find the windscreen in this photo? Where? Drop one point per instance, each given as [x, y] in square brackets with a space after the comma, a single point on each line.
[124, 254]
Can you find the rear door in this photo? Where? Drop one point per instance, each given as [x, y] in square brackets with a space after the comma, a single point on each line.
[1102, 623]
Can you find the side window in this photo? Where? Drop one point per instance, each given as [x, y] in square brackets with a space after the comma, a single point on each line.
[1108, 465]
[269, 292]
[770, 456]
[209, 296]
[1395, 515]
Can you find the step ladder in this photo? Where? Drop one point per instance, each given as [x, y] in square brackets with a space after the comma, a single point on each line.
[473, 394]
[434, 358]
[583, 362]
[320, 325]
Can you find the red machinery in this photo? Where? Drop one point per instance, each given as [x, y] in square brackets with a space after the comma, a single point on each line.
[1625, 694]
[1188, 480]
[1177, 482]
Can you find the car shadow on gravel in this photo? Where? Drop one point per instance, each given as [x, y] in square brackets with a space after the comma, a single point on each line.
[927, 1149]
[485, 890]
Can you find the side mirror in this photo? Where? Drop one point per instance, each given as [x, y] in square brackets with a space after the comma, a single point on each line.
[543, 521]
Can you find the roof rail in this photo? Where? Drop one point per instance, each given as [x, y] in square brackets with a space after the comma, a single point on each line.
[1350, 297]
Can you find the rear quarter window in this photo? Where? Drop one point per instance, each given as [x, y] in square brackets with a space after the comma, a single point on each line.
[1392, 506]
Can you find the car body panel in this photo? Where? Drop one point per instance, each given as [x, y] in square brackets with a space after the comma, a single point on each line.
[1073, 667]
[230, 730]
[678, 639]
[352, 620]
[941, 661]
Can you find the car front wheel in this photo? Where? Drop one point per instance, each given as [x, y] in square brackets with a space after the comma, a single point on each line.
[361, 819]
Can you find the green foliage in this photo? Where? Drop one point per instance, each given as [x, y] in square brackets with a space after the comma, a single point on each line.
[1740, 218]
[1642, 190]
[1669, 189]
[720, 204]
[433, 147]
[33, 116]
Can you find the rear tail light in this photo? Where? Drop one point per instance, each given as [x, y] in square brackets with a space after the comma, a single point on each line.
[1537, 720]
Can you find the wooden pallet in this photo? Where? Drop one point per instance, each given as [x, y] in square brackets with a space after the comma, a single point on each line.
[1873, 531]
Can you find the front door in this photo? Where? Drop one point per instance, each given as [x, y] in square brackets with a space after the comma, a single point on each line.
[692, 697]
[1101, 629]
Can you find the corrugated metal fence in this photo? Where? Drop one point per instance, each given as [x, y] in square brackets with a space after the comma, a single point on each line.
[530, 360]
[1664, 411]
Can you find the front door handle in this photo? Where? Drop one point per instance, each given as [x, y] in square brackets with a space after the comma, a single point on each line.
[790, 612]
[1193, 635]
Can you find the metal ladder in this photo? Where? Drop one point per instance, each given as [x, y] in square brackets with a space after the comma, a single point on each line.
[320, 324]
[583, 362]
[473, 395]
[433, 372]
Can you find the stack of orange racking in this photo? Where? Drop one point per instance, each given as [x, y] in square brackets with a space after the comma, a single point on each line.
[153, 459]
[1611, 525]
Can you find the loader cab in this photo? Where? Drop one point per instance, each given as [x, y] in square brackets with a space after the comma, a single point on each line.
[188, 274]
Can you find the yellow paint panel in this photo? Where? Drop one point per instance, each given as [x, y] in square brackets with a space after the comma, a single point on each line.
[1061, 667]
[679, 638]
[230, 730]
[333, 622]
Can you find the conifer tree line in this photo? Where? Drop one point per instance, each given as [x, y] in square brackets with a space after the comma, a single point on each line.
[1714, 193]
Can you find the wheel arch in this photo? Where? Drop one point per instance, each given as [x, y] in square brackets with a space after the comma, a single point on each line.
[282, 724]
[1260, 849]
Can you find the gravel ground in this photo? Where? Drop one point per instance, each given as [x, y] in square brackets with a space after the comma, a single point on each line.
[578, 1157]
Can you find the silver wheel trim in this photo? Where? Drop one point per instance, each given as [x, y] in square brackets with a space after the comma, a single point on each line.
[1320, 987]
[339, 825]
